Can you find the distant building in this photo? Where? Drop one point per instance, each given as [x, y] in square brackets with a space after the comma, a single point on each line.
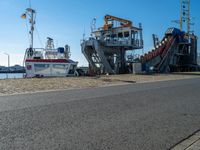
[198, 59]
[16, 68]
[12, 69]
[3, 69]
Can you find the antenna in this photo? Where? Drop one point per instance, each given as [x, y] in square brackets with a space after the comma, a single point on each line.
[84, 33]
[93, 24]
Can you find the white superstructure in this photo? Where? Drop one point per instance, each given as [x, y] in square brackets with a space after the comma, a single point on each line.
[48, 61]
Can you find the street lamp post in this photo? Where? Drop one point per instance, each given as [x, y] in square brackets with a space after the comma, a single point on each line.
[8, 64]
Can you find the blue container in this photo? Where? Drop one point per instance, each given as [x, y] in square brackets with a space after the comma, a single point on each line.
[173, 31]
[61, 50]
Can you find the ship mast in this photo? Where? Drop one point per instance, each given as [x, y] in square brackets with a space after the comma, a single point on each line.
[185, 15]
[185, 18]
[31, 13]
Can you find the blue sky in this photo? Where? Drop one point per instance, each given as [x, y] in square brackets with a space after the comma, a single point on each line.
[65, 20]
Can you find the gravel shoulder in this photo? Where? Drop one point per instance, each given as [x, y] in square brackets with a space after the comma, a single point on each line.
[18, 86]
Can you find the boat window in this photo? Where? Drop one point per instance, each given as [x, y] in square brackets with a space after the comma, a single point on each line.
[120, 35]
[42, 68]
[59, 69]
[126, 34]
[72, 69]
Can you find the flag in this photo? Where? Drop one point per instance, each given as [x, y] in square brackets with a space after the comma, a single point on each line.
[23, 16]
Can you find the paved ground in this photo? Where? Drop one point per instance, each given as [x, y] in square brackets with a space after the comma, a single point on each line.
[149, 116]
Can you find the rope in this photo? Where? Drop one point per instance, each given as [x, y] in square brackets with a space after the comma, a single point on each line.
[39, 38]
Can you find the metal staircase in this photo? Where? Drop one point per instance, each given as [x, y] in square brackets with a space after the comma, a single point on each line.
[106, 49]
[163, 66]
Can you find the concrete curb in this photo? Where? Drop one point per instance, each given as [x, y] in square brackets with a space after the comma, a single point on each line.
[192, 142]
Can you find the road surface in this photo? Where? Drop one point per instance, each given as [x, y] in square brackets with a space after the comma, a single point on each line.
[148, 116]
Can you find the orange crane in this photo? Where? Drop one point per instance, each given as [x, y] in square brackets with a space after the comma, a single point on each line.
[123, 22]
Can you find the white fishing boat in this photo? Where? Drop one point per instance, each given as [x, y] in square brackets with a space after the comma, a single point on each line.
[48, 61]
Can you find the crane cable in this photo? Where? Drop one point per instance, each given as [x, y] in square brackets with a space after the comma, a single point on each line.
[38, 35]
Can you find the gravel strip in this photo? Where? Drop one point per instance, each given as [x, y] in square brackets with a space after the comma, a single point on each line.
[16, 86]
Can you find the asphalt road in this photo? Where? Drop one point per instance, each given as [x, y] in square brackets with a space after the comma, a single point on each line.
[148, 116]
